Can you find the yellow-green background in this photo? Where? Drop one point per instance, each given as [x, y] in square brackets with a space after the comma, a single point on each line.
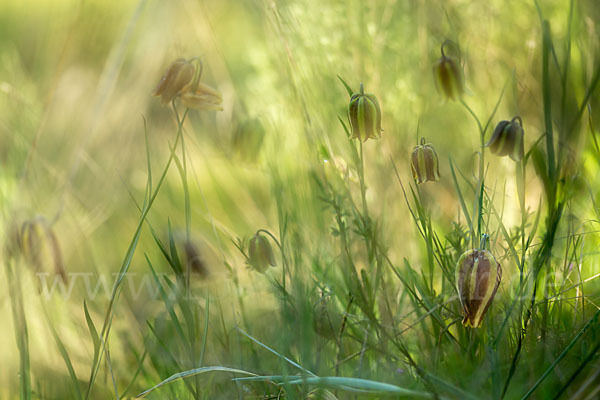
[76, 79]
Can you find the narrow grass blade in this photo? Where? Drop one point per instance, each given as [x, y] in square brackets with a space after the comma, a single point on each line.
[587, 359]
[172, 357]
[205, 335]
[93, 331]
[65, 355]
[21, 332]
[193, 372]
[592, 320]
[344, 126]
[135, 375]
[275, 352]
[463, 205]
[459, 393]
[348, 89]
[357, 384]
[506, 234]
[588, 95]
[167, 302]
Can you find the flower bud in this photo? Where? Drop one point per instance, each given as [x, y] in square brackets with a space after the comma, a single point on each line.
[364, 115]
[327, 320]
[194, 261]
[203, 97]
[448, 76]
[424, 163]
[39, 246]
[179, 74]
[478, 276]
[260, 254]
[507, 139]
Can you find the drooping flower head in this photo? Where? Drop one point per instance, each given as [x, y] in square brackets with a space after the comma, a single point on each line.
[478, 277]
[39, 246]
[424, 163]
[203, 97]
[364, 114]
[194, 260]
[507, 139]
[182, 79]
[448, 75]
[260, 253]
[177, 77]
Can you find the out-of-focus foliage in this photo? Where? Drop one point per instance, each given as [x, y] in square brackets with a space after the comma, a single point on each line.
[76, 114]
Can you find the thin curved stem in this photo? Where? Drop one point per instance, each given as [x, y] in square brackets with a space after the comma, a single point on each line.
[129, 256]
[479, 194]
[283, 258]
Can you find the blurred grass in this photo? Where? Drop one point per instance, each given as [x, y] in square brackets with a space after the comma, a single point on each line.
[75, 83]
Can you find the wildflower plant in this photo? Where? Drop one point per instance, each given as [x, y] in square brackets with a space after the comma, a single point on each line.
[364, 115]
[368, 282]
[425, 165]
[260, 253]
[182, 80]
[507, 139]
[177, 78]
[478, 276]
[448, 74]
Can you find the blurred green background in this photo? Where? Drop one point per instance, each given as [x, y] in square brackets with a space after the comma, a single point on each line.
[76, 79]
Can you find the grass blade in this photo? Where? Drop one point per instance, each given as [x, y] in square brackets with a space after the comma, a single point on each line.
[463, 205]
[192, 372]
[592, 320]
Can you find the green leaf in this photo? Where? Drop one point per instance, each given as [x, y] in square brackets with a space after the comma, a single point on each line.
[592, 320]
[193, 372]
[348, 89]
[539, 164]
[461, 199]
[343, 383]
[167, 302]
[65, 355]
[93, 331]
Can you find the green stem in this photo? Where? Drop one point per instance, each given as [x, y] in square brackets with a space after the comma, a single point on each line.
[196, 357]
[479, 194]
[375, 272]
[128, 258]
[547, 97]
[363, 187]
[182, 167]
[592, 320]
[483, 242]
[21, 332]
